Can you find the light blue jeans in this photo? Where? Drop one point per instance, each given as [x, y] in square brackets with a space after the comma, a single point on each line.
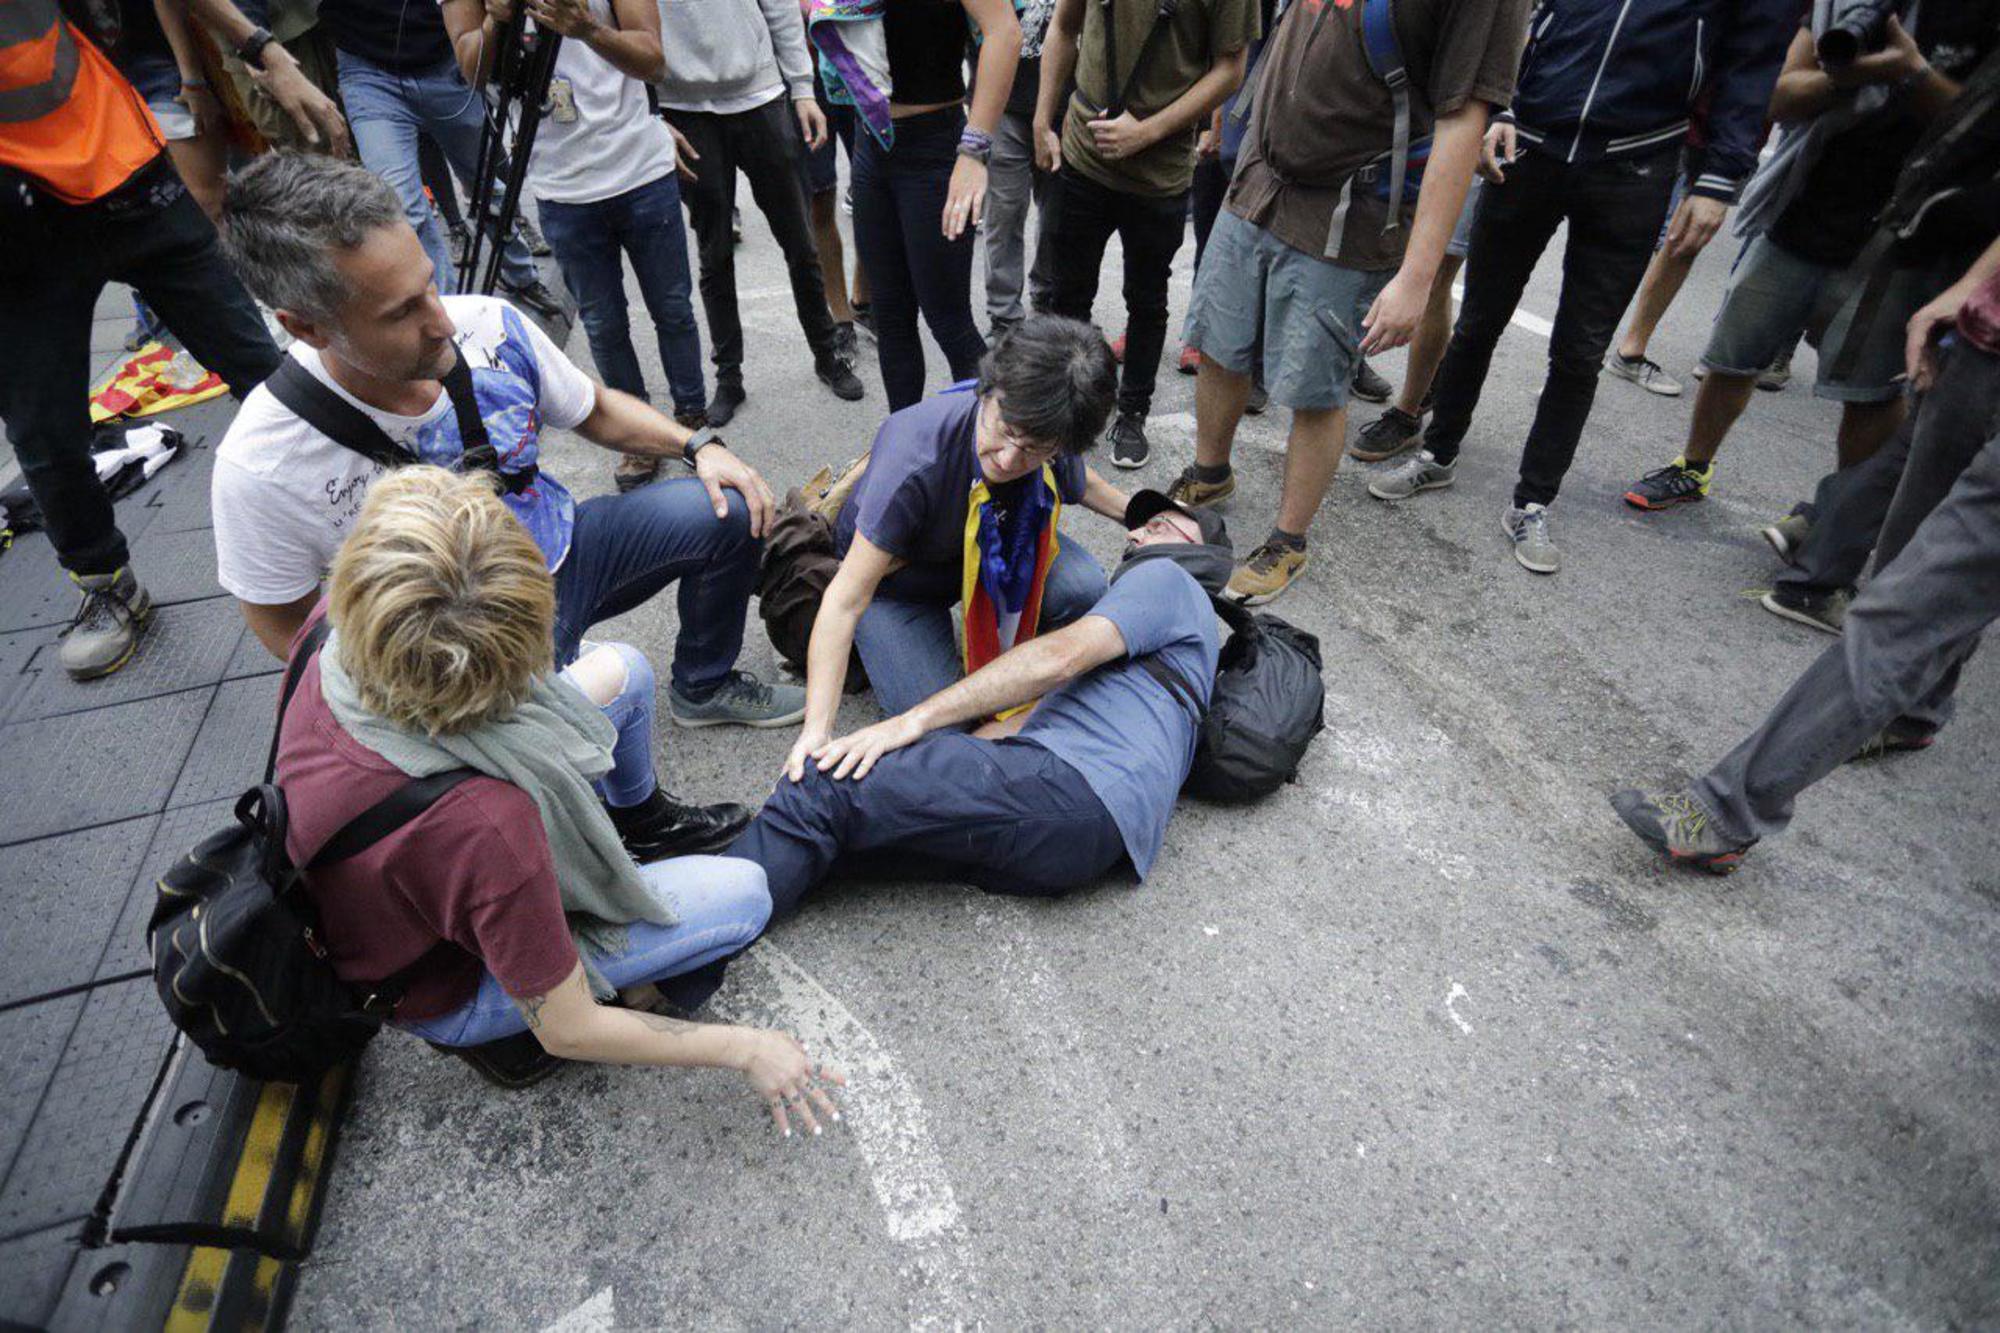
[720, 903]
[387, 110]
[908, 644]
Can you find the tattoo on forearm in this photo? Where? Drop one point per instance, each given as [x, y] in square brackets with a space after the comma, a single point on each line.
[531, 1009]
[673, 1027]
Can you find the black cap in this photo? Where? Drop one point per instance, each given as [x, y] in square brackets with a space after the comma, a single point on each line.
[1145, 506]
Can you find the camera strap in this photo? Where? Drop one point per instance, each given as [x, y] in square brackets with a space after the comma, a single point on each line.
[327, 412]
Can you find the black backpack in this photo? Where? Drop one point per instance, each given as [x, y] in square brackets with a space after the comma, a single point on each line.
[1267, 705]
[236, 955]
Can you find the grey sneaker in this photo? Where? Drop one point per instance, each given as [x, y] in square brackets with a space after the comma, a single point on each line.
[1788, 536]
[1421, 473]
[1777, 375]
[1528, 529]
[1823, 611]
[743, 701]
[109, 622]
[1644, 372]
[1679, 827]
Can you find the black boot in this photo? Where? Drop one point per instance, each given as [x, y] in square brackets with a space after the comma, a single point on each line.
[512, 1062]
[729, 396]
[660, 826]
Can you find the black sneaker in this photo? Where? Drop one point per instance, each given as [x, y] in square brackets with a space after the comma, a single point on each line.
[1369, 386]
[723, 407]
[1129, 445]
[513, 1063]
[692, 420]
[1823, 611]
[1677, 483]
[660, 826]
[1386, 436]
[836, 372]
[538, 299]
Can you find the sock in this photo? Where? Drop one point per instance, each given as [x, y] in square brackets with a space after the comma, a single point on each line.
[1295, 541]
[1209, 475]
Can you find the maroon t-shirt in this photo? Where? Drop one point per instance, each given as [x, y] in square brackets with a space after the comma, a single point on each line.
[1979, 317]
[473, 870]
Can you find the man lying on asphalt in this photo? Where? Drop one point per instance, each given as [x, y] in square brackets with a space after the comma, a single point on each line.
[326, 245]
[1039, 800]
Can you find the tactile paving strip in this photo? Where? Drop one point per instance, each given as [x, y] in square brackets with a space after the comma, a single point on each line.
[32, 1271]
[84, 769]
[100, 1087]
[64, 898]
[228, 755]
[177, 832]
[33, 1037]
[185, 648]
[177, 566]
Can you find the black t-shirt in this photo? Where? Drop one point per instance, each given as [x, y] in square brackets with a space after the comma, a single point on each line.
[407, 36]
[1833, 215]
[139, 31]
[926, 41]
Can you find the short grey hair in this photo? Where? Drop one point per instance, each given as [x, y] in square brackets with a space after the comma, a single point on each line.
[285, 214]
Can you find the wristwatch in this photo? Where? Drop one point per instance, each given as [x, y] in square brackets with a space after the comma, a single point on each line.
[697, 442]
[251, 52]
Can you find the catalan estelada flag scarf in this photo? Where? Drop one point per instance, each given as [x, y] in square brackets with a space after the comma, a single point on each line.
[1009, 549]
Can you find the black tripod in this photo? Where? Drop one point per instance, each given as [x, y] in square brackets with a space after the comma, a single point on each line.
[521, 73]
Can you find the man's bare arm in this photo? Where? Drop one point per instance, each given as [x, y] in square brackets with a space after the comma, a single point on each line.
[276, 626]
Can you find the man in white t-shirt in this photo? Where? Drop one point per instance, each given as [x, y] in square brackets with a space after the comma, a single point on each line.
[603, 174]
[325, 244]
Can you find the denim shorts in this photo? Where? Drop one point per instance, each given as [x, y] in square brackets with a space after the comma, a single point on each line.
[158, 81]
[1770, 299]
[822, 164]
[1308, 309]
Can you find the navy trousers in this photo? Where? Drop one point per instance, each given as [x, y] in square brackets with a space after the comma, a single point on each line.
[1007, 816]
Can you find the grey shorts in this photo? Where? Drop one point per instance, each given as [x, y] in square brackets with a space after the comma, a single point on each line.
[1308, 309]
[1771, 296]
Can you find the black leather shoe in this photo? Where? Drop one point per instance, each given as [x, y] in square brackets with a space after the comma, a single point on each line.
[838, 375]
[512, 1062]
[722, 408]
[660, 826]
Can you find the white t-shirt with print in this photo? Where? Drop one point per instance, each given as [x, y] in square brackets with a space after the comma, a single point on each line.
[285, 496]
[598, 136]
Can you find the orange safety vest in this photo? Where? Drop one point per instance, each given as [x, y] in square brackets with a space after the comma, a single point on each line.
[68, 118]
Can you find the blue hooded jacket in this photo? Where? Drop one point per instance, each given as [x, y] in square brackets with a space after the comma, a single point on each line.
[1603, 78]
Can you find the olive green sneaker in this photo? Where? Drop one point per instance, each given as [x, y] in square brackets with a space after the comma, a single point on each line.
[1195, 493]
[109, 622]
[1267, 573]
[1680, 828]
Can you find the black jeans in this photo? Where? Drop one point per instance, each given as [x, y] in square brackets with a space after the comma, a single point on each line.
[1614, 209]
[899, 196]
[56, 259]
[764, 144]
[1211, 186]
[1150, 230]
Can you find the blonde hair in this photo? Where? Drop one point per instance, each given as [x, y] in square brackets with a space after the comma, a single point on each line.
[444, 604]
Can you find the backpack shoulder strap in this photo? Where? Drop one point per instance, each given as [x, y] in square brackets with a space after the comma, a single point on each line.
[1385, 57]
[1121, 93]
[1176, 683]
[387, 815]
[294, 669]
[333, 416]
[1239, 618]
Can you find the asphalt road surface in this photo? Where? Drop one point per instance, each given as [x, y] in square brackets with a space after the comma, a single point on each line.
[1425, 1039]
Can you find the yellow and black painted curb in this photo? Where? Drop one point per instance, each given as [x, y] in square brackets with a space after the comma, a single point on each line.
[217, 1207]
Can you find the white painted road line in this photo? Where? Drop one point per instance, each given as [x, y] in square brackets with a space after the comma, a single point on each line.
[595, 1315]
[1533, 323]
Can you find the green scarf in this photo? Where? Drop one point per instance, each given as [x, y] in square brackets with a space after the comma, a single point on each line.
[550, 747]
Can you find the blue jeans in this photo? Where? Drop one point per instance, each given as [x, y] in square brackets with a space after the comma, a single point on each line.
[387, 110]
[907, 644]
[899, 199]
[627, 547]
[1007, 816]
[644, 223]
[631, 779]
[720, 904]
